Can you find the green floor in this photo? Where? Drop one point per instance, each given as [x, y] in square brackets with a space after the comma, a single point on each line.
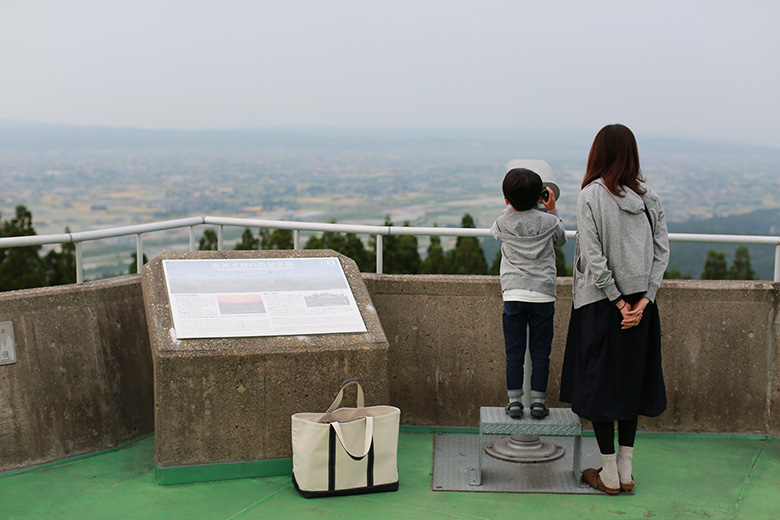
[680, 476]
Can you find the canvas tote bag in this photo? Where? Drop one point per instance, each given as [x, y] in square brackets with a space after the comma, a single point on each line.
[346, 451]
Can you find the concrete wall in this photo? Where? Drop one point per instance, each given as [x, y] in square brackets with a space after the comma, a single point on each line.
[83, 377]
[720, 350]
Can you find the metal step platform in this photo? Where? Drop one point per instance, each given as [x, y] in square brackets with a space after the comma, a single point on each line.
[493, 420]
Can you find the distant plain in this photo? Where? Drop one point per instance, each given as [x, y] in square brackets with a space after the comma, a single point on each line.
[91, 178]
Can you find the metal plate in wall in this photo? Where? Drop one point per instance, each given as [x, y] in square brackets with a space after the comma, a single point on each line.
[454, 454]
[7, 344]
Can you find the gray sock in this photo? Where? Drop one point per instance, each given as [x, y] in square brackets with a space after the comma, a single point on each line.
[624, 457]
[515, 395]
[609, 471]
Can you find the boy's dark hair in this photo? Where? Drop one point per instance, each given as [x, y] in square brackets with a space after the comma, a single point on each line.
[522, 188]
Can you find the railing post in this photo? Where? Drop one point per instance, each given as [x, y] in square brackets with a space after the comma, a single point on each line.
[220, 231]
[192, 238]
[79, 264]
[777, 263]
[379, 254]
[296, 239]
[139, 253]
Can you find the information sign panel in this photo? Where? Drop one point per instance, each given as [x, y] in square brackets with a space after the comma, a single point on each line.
[216, 298]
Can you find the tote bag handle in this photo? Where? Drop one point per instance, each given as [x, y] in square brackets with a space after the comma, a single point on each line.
[369, 438]
[337, 401]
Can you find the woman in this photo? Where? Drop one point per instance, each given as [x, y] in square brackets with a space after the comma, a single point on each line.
[612, 365]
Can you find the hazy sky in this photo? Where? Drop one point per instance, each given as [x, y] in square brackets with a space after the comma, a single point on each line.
[704, 69]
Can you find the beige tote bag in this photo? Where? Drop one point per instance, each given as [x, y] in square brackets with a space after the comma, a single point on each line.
[346, 451]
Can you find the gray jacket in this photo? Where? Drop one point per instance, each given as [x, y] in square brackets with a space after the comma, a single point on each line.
[527, 254]
[621, 249]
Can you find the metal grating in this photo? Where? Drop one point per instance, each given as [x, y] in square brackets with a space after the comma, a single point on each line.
[561, 421]
[454, 454]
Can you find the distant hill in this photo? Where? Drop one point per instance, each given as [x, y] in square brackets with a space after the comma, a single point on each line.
[35, 136]
[38, 136]
[15, 135]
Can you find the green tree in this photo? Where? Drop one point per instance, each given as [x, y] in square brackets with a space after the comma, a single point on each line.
[60, 268]
[347, 244]
[435, 262]
[280, 239]
[406, 259]
[400, 254]
[265, 238]
[354, 248]
[561, 269]
[467, 257]
[314, 242]
[20, 267]
[333, 240]
[673, 273]
[495, 267]
[248, 242]
[714, 266]
[209, 241]
[134, 265]
[740, 268]
[388, 247]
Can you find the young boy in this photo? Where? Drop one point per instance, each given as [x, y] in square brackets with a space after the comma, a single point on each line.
[528, 235]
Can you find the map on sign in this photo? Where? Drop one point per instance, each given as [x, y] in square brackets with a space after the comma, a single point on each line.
[260, 297]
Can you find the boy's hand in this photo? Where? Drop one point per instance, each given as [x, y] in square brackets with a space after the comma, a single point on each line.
[549, 204]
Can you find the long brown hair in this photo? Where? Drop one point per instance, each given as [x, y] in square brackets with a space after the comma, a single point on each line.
[614, 158]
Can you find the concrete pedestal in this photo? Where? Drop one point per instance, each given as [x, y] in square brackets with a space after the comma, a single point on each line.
[223, 406]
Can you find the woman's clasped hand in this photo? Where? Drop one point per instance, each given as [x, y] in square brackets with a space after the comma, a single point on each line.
[632, 316]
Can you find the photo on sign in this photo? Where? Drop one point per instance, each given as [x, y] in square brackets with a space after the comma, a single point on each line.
[240, 304]
[326, 300]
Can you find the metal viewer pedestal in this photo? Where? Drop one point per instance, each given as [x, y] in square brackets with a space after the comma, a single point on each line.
[560, 422]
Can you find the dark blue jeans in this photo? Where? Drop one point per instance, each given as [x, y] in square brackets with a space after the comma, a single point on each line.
[538, 318]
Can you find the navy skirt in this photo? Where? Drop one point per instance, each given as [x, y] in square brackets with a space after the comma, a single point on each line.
[610, 374]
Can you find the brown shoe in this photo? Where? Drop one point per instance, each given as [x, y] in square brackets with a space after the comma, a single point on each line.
[591, 477]
[627, 486]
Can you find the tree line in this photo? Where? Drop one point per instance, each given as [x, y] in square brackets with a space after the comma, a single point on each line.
[400, 253]
[26, 267]
[716, 267]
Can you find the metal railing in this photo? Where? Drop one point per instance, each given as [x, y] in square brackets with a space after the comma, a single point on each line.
[296, 227]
